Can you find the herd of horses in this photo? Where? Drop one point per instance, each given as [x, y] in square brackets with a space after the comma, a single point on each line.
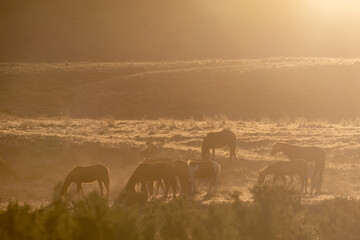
[152, 174]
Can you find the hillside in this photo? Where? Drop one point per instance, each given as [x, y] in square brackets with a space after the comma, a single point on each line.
[314, 88]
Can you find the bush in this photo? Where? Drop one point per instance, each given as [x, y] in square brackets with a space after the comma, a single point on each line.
[275, 213]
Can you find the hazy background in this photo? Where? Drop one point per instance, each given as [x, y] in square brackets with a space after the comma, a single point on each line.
[142, 30]
[113, 82]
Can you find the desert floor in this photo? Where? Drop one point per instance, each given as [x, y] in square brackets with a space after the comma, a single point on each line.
[41, 151]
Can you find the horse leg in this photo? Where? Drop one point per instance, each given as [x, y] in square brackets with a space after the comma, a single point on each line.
[274, 179]
[194, 187]
[173, 186]
[80, 189]
[191, 184]
[232, 151]
[101, 188]
[167, 185]
[314, 182]
[291, 180]
[306, 180]
[107, 187]
[160, 184]
[302, 185]
[144, 188]
[78, 186]
[212, 184]
[151, 187]
[320, 181]
[213, 151]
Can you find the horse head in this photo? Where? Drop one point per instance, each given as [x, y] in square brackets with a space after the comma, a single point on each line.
[130, 186]
[276, 148]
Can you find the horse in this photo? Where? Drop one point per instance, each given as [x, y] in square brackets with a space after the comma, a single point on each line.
[287, 168]
[203, 170]
[150, 172]
[182, 172]
[217, 140]
[154, 160]
[309, 154]
[87, 174]
[181, 169]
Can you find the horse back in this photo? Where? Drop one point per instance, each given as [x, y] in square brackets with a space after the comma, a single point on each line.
[88, 174]
[204, 169]
[154, 171]
[181, 168]
[219, 139]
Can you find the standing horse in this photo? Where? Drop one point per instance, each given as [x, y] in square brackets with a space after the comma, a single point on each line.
[287, 168]
[181, 171]
[88, 174]
[149, 172]
[203, 170]
[309, 154]
[217, 140]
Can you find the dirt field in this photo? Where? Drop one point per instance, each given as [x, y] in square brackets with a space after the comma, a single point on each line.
[41, 151]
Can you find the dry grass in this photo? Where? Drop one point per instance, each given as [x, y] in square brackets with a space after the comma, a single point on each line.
[42, 153]
[315, 88]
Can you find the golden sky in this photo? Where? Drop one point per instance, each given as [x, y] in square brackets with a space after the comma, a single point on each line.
[110, 30]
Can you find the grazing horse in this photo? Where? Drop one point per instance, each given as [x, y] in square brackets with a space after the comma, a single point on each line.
[217, 140]
[88, 174]
[154, 160]
[309, 154]
[203, 170]
[181, 171]
[150, 172]
[287, 168]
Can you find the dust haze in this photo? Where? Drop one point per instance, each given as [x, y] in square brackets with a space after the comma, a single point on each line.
[116, 82]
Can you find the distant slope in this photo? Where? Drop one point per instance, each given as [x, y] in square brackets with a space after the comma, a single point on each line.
[300, 87]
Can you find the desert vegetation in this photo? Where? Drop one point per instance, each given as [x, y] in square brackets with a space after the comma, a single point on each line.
[40, 155]
[55, 116]
[274, 213]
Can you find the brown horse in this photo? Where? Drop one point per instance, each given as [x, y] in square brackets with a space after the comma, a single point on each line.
[217, 140]
[155, 160]
[150, 172]
[309, 154]
[204, 170]
[88, 174]
[287, 168]
[181, 171]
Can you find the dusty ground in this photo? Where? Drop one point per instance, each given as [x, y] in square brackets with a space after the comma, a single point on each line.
[41, 151]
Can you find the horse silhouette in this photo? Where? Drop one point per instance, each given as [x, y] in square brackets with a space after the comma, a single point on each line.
[181, 171]
[147, 173]
[87, 174]
[215, 140]
[203, 170]
[287, 168]
[309, 154]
